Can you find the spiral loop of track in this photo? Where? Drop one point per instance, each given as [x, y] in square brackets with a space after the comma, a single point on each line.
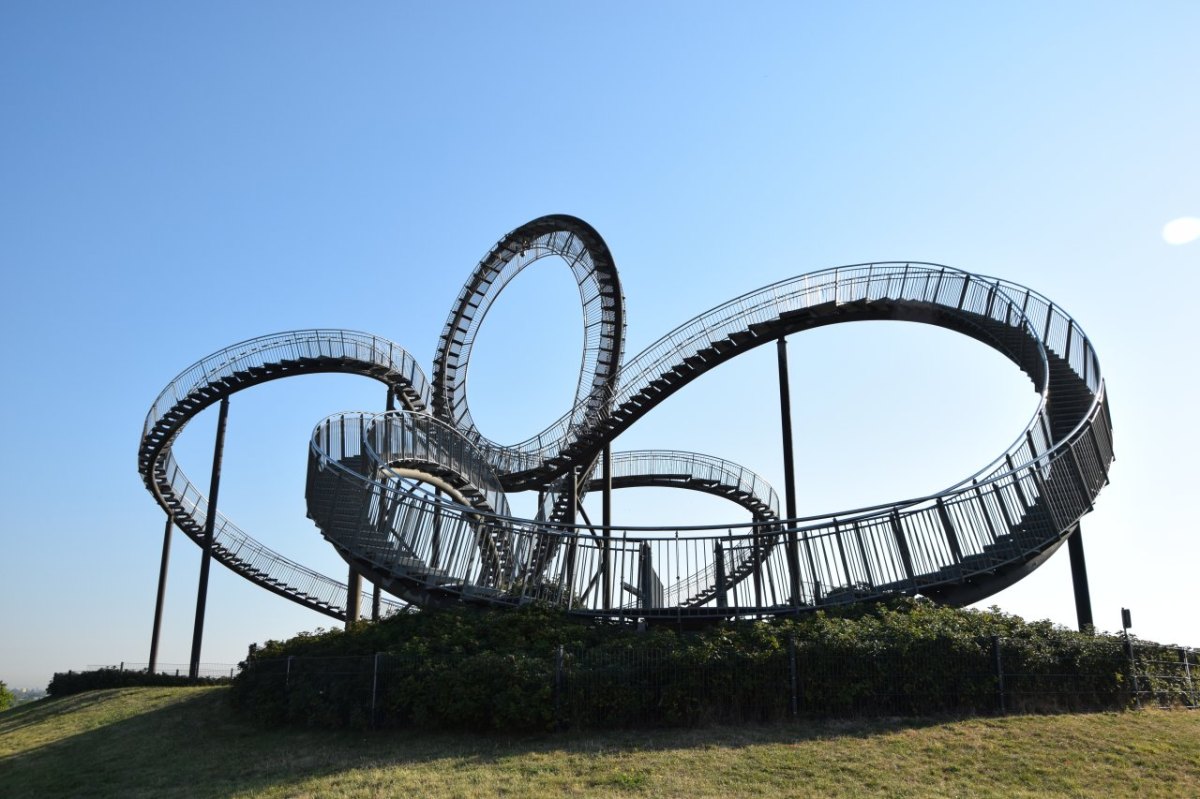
[415, 499]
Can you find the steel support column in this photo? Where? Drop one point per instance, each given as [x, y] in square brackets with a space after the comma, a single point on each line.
[1083, 597]
[573, 532]
[719, 561]
[789, 471]
[162, 590]
[353, 597]
[210, 521]
[606, 523]
[435, 538]
[375, 602]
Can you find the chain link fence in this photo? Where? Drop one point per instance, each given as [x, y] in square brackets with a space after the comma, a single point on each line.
[206, 670]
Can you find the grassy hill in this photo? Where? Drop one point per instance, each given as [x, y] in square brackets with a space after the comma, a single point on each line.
[155, 742]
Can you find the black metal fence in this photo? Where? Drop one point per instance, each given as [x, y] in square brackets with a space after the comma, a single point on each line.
[574, 688]
[206, 670]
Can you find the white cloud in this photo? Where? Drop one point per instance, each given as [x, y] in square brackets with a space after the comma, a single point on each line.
[1183, 230]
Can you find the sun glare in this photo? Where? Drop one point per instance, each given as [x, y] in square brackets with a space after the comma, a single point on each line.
[1183, 230]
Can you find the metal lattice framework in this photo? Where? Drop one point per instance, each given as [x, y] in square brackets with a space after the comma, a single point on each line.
[414, 499]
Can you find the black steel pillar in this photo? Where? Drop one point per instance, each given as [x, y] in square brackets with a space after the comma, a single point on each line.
[353, 597]
[162, 591]
[390, 405]
[719, 561]
[1083, 597]
[789, 471]
[606, 522]
[573, 546]
[435, 539]
[210, 521]
[646, 576]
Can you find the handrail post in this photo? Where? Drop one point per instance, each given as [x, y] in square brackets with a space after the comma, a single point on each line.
[950, 531]
[862, 553]
[374, 687]
[558, 687]
[1187, 673]
[210, 521]
[902, 545]
[998, 666]
[795, 704]
[1133, 676]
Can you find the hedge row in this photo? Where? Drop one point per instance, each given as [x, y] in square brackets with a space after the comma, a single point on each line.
[75, 682]
[537, 669]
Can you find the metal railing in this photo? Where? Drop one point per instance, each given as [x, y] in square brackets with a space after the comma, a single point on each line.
[896, 549]
[590, 262]
[281, 348]
[206, 670]
[667, 466]
[223, 373]
[1012, 511]
[943, 287]
[1021, 505]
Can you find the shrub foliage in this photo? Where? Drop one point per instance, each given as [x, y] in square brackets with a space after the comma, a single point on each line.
[76, 682]
[538, 669]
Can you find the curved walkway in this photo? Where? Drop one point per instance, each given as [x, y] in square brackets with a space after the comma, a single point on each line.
[370, 475]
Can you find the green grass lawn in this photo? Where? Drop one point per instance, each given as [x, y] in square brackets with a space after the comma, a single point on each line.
[156, 742]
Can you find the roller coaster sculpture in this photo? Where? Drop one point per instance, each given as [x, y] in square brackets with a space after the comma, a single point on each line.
[414, 498]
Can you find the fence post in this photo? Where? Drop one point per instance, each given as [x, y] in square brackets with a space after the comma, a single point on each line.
[1187, 674]
[795, 706]
[998, 665]
[287, 675]
[374, 688]
[1137, 693]
[558, 687]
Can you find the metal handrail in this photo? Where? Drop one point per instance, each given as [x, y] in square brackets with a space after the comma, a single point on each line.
[639, 463]
[1011, 512]
[1026, 499]
[276, 348]
[897, 281]
[200, 384]
[921, 528]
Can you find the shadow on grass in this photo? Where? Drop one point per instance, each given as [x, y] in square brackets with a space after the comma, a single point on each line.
[195, 746]
[35, 712]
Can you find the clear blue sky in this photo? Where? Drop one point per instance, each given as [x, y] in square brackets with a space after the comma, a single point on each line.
[175, 178]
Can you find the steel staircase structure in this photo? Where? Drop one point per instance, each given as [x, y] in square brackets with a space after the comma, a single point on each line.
[414, 499]
[234, 369]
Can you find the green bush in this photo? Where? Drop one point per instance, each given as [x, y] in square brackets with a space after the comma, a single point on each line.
[75, 682]
[464, 668]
